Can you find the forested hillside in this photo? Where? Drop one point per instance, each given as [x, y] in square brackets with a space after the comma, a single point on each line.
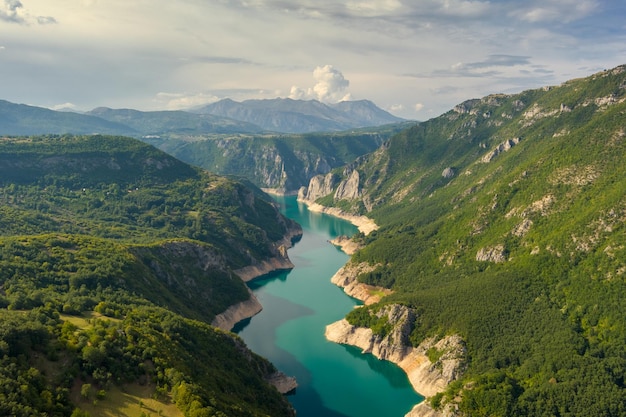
[114, 257]
[502, 221]
[280, 162]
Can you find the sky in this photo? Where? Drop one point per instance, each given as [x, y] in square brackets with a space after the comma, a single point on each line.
[414, 58]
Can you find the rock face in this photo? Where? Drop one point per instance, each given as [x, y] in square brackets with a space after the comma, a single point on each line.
[448, 173]
[347, 245]
[250, 307]
[494, 254]
[427, 378]
[235, 313]
[319, 186]
[323, 185]
[283, 383]
[279, 262]
[503, 147]
[346, 278]
[349, 188]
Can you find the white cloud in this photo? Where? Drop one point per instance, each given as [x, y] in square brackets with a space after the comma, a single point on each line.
[178, 101]
[373, 7]
[12, 11]
[330, 86]
[64, 106]
[396, 108]
[556, 10]
[117, 53]
[418, 107]
[15, 12]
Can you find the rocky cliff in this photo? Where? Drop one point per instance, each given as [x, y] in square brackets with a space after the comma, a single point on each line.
[431, 366]
[346, 278]
[237, 312]
[277, 263]
[348, 188]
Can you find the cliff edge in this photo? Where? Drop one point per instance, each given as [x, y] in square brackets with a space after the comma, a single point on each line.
[430, 367]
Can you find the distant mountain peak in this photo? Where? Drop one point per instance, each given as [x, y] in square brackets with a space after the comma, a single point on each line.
[301, 116]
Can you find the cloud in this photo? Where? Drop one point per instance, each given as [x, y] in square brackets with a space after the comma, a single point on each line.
[64, 106]
[14, 11]
[555, 10]
[46, 20]
[373, 7]
[418, 107]
[396, 108]
[329, 88]
[178, 101]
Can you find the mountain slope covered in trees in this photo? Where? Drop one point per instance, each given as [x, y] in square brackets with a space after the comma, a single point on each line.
[282, 162]
[503, 221]
[114, 257]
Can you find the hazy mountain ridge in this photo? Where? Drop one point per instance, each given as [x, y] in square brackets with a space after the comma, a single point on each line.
[302, 116]
[21, 119]
[172, 122]
[503, 221]
[224, 117]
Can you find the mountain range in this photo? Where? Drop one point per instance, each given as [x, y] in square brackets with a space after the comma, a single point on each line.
[300, 116]
[224, 117]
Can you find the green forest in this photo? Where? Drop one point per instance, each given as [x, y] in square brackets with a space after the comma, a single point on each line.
[114, 259]
[280, 161]
[520, 248]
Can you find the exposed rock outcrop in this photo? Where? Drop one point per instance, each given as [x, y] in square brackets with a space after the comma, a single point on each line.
[364, 224]
[279, 262]
[322, 185]
[235, 313]
[346, 244]
[250, 307]
[248, 273]
[503, 147]
[319, 186]
[448, 173]
[427, 378]
[346, 278]
[424, 409]
[349, 189]
[283, 383]
[494, 254]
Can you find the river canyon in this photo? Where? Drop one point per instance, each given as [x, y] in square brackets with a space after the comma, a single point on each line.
[333, 380]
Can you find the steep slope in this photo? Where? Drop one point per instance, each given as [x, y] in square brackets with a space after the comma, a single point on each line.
[280, 162]
[301, 116]
[502, 221]
[143, 250]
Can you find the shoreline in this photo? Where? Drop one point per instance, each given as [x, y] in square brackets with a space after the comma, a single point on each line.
[414, 361]
[246, 309]
[363, 223]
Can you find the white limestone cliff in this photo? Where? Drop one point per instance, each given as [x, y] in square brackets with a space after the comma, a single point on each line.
[426, 377]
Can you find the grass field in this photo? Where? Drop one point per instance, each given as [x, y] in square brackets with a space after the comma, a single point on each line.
[131, 400]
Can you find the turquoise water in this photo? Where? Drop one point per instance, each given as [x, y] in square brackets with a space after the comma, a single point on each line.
[334, 380]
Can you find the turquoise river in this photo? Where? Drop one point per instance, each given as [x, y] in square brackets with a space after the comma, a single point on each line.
[333, 380]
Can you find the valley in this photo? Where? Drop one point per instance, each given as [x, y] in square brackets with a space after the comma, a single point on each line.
[492, 244]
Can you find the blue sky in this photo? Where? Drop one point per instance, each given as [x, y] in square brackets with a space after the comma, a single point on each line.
[415, 58]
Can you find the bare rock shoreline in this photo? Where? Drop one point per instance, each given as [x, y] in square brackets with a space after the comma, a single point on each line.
[426, 377]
